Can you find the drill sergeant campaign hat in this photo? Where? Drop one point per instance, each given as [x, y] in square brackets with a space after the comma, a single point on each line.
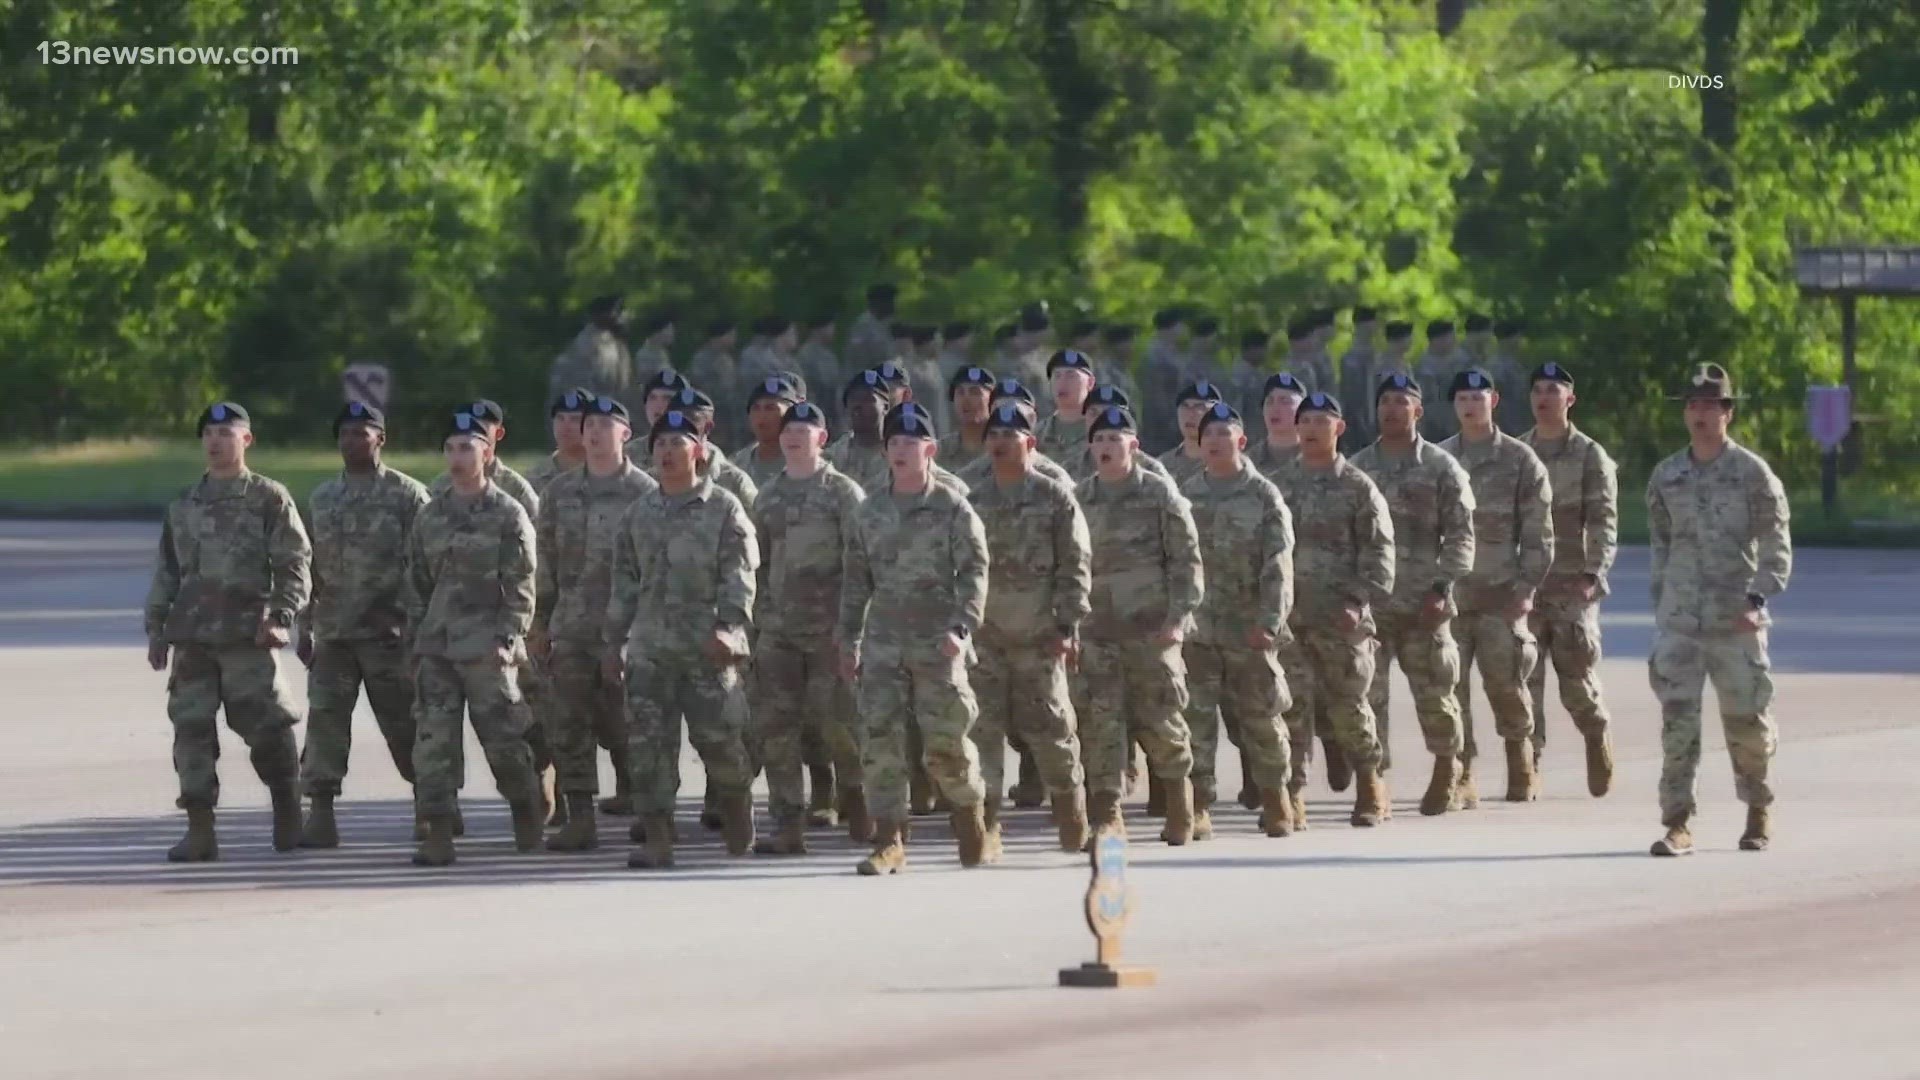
[359, 412]
[223, 412]
[1709, 381]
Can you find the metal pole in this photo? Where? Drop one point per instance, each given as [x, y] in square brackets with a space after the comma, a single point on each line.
[1830, 482]
[1849, 336]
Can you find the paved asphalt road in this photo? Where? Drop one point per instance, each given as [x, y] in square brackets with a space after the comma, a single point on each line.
[1536, 941]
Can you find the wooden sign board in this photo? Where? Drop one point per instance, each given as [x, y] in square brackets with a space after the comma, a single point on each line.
[1109, 905]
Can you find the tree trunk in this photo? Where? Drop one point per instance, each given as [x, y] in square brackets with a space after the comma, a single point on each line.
[1720, 116]
[1077, 94]
[1448, 15]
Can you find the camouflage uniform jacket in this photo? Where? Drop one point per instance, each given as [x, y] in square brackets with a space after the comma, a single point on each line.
[1514, 414]
[504, 478]
[1313, 369]
[648, 361]
[803, 527]
[1182, 466]
[982, 467]
[1512, 520]
[1586, 506]
[824, 377]
[725, 475]
[684, 567]
[1343, 545]
[1719, 531]
[1146, 556]
[1164, 375]
[867, 466]
[869, 344]
[1246, 545]
[1042, 562]
[957, 455]
[916, 567]
[595, 360]
[1432, 503]
[578, 521]
[761, 471]
[1059, 440]
[360, 527]
[1080, 466]
[231, 552]
[546, 470]
[1273, 462]
[469, 573]
[1435, 372]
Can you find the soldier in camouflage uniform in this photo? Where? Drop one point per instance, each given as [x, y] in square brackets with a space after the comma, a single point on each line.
[1357, 381]
[1007, 391]
[862, 453]
[823, 371]
[1147, 584]
[1435, 369]
[565, 416]
[928, 382]
[1166, 372]
[1510, 376]
[1038, 542]
[1063, 435]
[1277, 457]
[714, 464]
[869, 343]
[1080, 464]
[956, 350]
[1512, 549]
[654, 355]
[1717, 516]
[1476, 348]
[767, 405]
[353, 631]
[569, 453]
[1306, 359]
[760, 358]
[803, 517]
[597, 357]
[1033, 342]
[1279, 398]
[1203, 348]
[1343, 562]
[914, 591]
[715, 370]
[1432, 503]
[578, 517]
[970, 390]
[231, 574]
[1185, 461]
[1566, 617]
[1114, 365]
[677, 625]
[470, 600]
[1246, 379]
[1234, 677]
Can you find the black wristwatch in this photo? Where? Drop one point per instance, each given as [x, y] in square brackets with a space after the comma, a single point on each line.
[962, 632]
[1443, 589]
[280, 619]
[1759, 602]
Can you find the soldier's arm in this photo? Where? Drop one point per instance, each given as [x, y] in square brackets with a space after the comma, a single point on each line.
[1767, 509]
[165, 587]
[528, 498]
[856, 585]
[1535, 513]
[1072, 565]
[623, 598]
[1456, 525]
[290, 556]
[303, 621]
[417, 580]
[739, 566]
[1180, 557]
[1659, 536]
[1276, 568]
[517, 561]
[968, 547]
[546, 581]
[1600, 512]
[1373, 538]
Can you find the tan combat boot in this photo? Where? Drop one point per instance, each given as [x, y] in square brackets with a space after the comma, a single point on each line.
[1759, 829]
[320, 831]
[1371, 802]
[1523, 784]
[853, 811]
[995, 846]
[823, 809]
[1180, 822]
[582, 829]
[286, 815]
[1339, 772]
[736, 818]
[1276, 811]
[620, 803]
[1028, 792]
[1465, 795]
[200, 844]
[970, 834]
[1440, 790]
[657, 851]
[789, 838]
[1202, 824]
[1679, 839]
[889, 852]
[1103, 815]
[529, 825]
[1599, 764]
[437, 848]
[1070, 817]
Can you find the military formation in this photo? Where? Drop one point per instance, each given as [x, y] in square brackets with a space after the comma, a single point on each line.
[922, 554]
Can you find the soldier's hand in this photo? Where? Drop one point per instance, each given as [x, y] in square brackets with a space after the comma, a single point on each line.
[716, 649]
[1172, 635]
[271, 636]
[1748, 621]
[1433, 611]
[1588, 589]
[503, 655]
[950, 645]
[157, 655]
[304, 650]
[1349, 618]
[849, 664]
[1261, 639]
[612, 670]
[1517, 608]
[1073, 655]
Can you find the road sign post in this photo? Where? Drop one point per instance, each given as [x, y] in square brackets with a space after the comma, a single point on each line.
[1109, 905]
[1829, 419]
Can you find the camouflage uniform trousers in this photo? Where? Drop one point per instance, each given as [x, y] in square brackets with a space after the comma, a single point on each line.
[1506, 654]
[899, 689]
[1339, 668]
[1132, 690]
[587, 711]
[1430, 660]
[245, 681]
[340, 669]
[1023, 694]
[1742, 679]
[1245, 689]
[1568, 633]
[797, 688]
[488, 692]
[535, 707]
[664, 689]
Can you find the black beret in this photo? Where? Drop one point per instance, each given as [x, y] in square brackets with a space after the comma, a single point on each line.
[719, 326]
[869, 381]
[1005, 332]
[804, 412]
[656, 322]
[1206, 325]
[956, 330]
[606, 406]
[1283, 380]
[1069, 358]
[674, 422]
[1119, 333]
[1198, 390]
[489, 411]
[1012, 388]
[1168, 318]
[1106, 396]
[1365, 314]
[907, 419]
[575, 400]
[1470, 379]
[1085, 328]
[359, 412]
[822, 321]
[924, 334]
[1399, 330]
[1507, 328]
[610, 304]
[1439, 326]
[1111, 418]
[891, 373]
[1300, 328]
[1323, 317]
[971, 375]
[1398, 382]
[772, 325]
[1010, 417]
[1255, 339]
[1221, 413]
[1317, 402]
[1551, 372]
[665, 379]
[882, 292]
[1479, 324]
[1034, 319]
[465, 423]
[779, 387]
[899, 329]
[691, 400]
